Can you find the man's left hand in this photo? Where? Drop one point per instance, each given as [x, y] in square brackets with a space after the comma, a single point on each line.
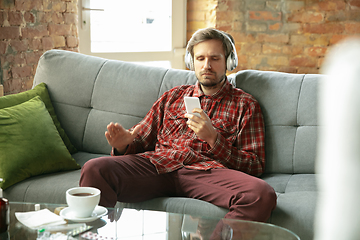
[202, 126]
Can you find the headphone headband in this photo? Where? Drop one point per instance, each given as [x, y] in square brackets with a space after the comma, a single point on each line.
[231, 61]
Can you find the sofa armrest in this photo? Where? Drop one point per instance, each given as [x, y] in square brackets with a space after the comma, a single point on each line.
[1, 90]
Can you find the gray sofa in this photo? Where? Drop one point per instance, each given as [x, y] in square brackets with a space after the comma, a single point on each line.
[89, 92]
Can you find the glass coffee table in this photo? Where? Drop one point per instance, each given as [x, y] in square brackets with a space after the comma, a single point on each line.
[132, 224]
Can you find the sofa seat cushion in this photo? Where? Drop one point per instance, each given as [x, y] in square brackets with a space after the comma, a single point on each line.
[32, 189]
[296, 196]
[286, 183]
[30, 143]
[296, 211]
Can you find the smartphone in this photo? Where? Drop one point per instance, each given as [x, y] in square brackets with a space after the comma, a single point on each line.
[191, 103]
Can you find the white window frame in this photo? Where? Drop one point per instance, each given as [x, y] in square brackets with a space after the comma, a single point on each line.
[175, 56]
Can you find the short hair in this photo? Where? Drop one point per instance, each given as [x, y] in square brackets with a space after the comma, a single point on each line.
[208, 34]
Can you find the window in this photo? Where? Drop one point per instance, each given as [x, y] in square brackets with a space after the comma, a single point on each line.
[151, 32]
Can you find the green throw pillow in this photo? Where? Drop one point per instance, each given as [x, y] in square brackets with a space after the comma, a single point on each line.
[39, 90]
[30, 144]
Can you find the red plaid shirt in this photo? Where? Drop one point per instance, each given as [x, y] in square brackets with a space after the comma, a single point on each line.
[170, 144]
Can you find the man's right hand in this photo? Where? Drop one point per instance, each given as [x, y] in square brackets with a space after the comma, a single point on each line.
[119, 138]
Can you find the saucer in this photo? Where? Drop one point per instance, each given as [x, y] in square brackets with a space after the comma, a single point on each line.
[98, 212]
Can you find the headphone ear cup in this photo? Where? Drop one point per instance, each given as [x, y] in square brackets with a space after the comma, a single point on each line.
[189, 61]
[231, 62]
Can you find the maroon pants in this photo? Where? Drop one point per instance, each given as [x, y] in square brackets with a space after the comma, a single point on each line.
[132, 178]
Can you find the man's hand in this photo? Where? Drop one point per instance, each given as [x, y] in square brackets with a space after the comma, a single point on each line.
[202, 126]
[118, 137]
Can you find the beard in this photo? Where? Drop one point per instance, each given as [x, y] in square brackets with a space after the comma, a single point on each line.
[214, 80]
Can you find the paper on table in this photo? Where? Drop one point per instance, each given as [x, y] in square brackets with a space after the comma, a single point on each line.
[39, 219]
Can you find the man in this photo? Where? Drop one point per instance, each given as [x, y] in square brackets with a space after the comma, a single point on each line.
[172, 153]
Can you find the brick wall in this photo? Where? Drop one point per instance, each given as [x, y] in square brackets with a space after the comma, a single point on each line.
[27, 29]
[286, 36]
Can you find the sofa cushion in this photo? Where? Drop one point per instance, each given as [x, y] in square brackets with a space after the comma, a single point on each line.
[289, 105]
[108, 91]
[30, 143]
[39, 90]
[74, 102]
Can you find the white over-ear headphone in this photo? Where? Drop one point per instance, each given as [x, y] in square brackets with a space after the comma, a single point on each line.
[231, 61]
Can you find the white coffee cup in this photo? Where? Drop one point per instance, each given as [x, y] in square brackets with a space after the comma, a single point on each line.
[82, 200]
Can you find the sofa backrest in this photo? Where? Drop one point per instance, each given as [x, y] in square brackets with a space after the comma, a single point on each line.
[89, 92]
[289, 105]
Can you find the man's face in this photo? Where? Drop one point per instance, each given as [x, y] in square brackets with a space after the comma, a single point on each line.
[209, 63]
